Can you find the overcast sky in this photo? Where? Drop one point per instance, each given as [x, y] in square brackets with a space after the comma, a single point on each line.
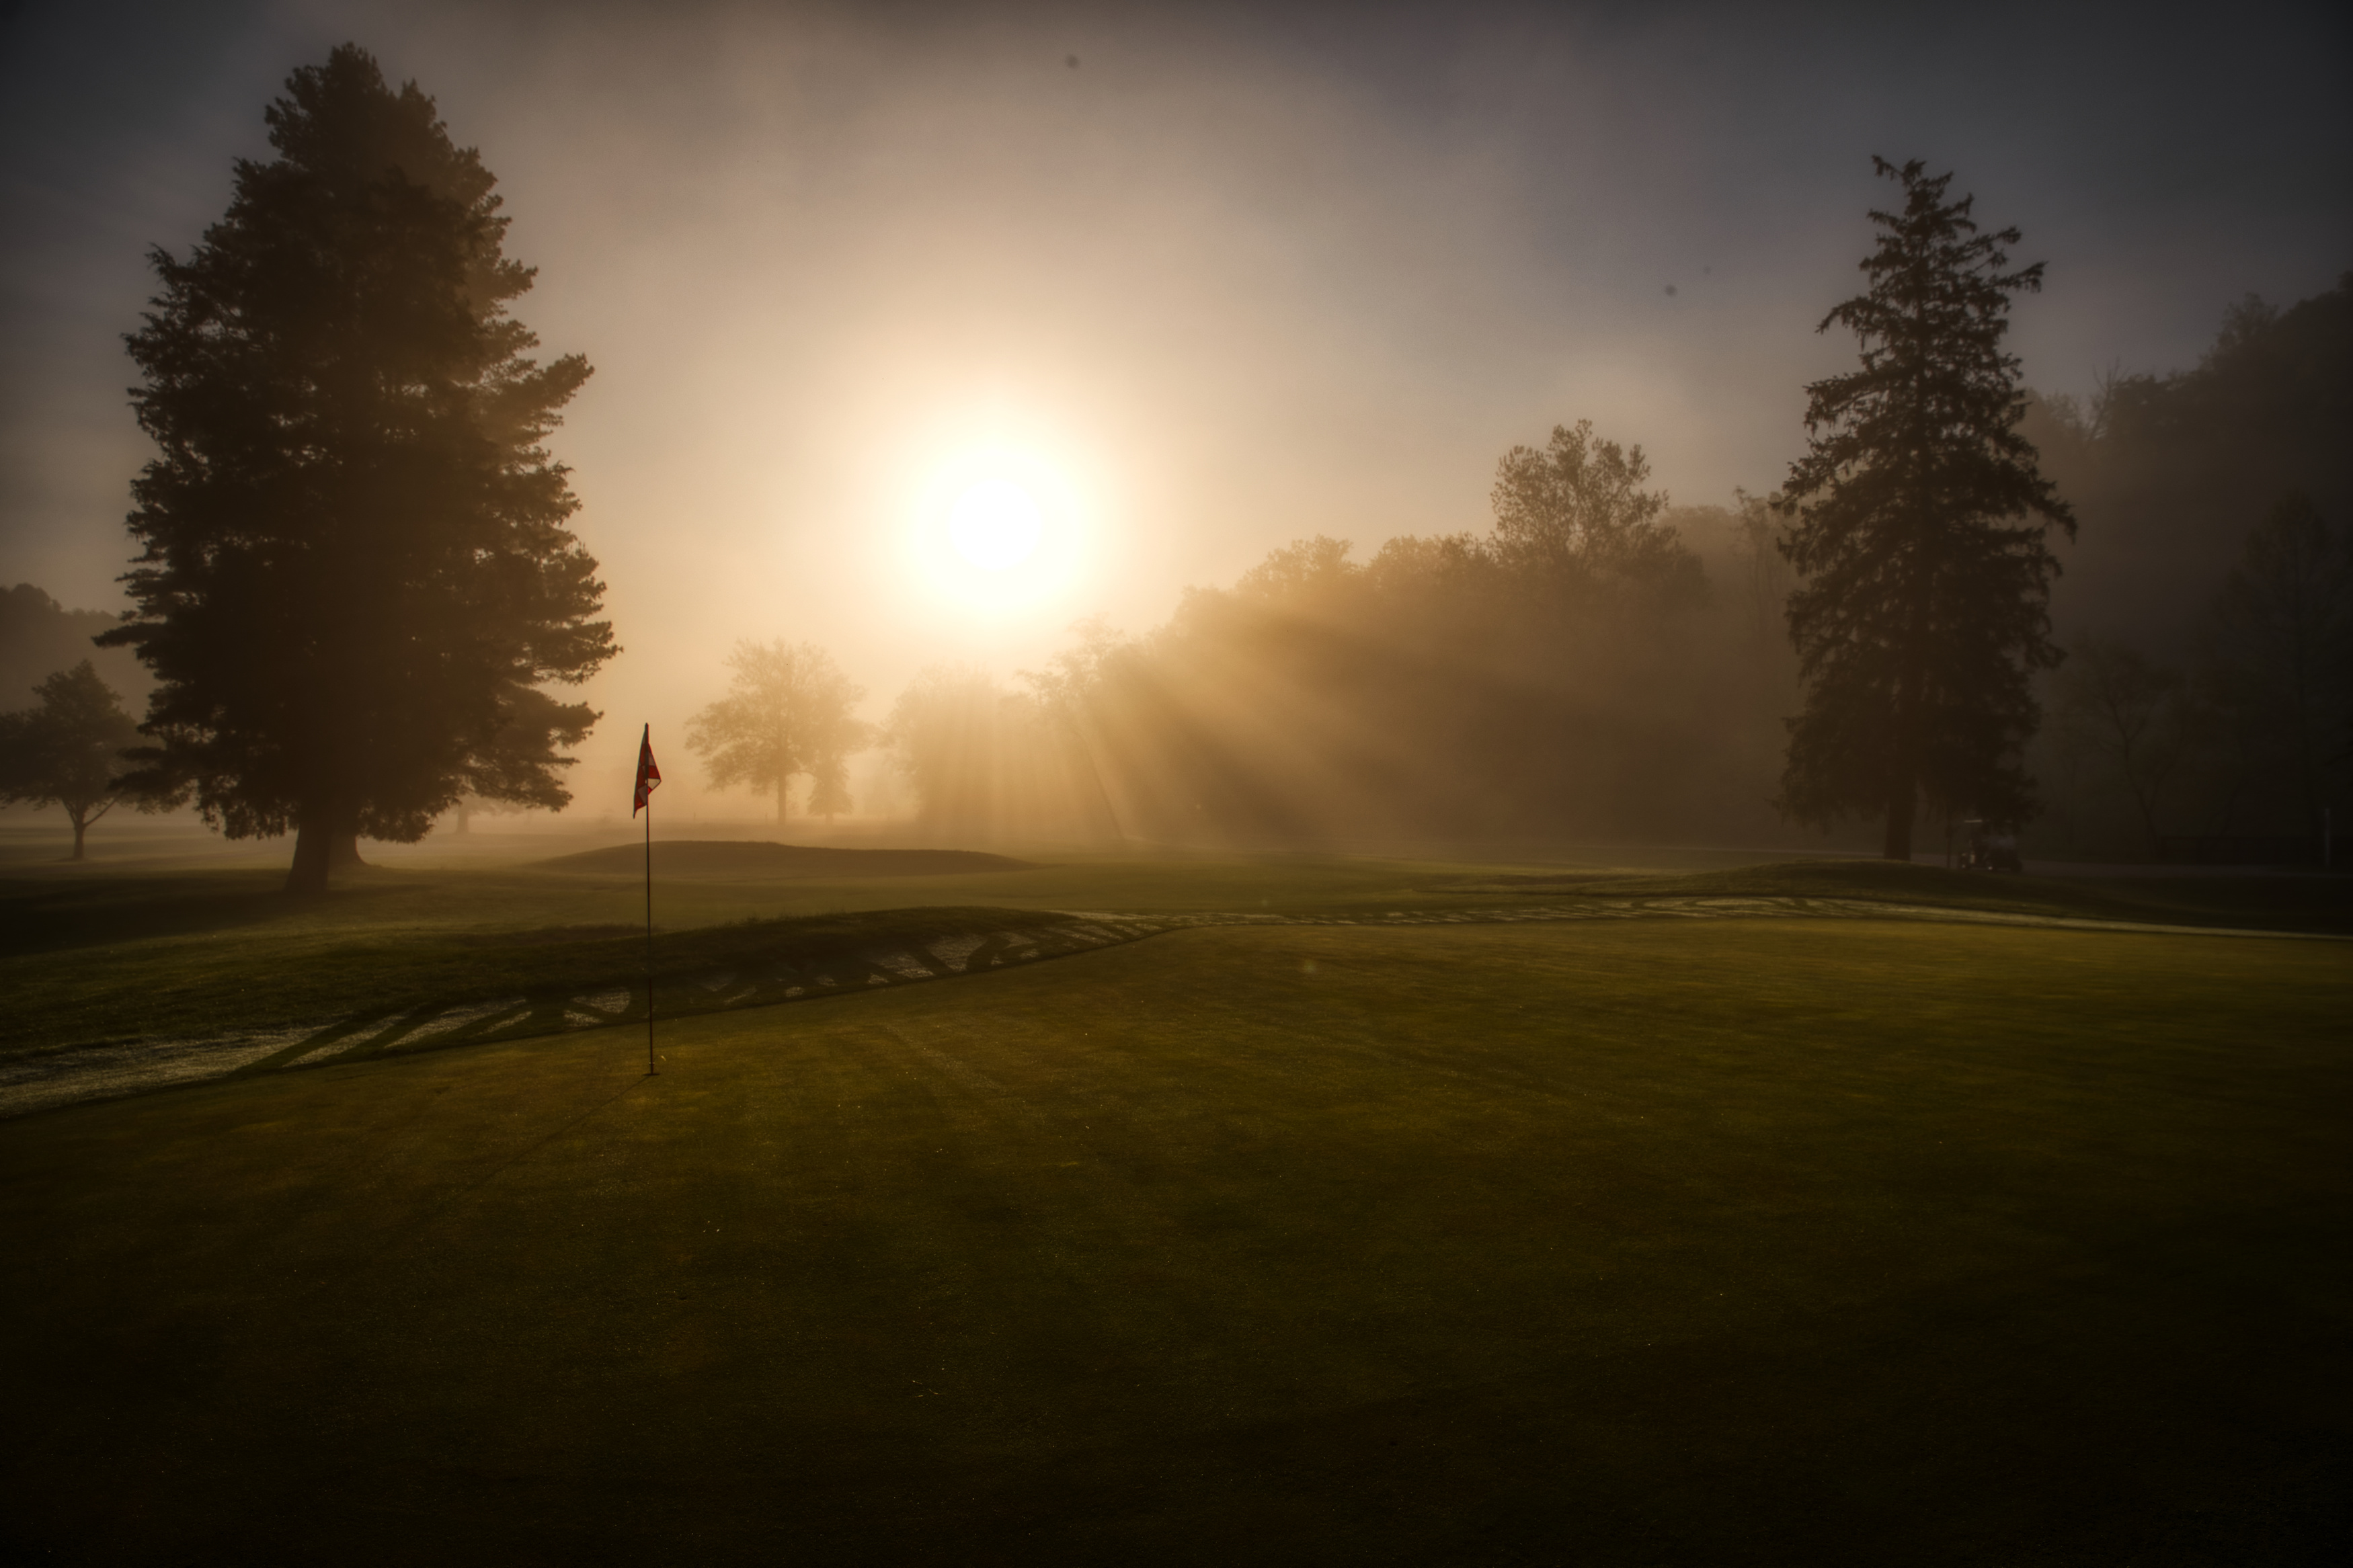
[1241, 274]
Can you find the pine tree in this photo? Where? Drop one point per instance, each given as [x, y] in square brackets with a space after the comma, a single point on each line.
[1918, 520]
[357, 569]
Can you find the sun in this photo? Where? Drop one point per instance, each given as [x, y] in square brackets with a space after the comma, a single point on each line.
[994, 525]
[998, 531]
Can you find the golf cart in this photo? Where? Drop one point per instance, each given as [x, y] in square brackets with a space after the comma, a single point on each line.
[1991, 848]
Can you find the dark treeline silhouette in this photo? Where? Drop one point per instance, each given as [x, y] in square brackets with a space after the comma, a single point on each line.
[2168, 474]
[2242, 748]
[2206, 710]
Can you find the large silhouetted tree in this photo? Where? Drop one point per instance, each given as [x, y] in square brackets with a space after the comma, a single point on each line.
[357, 569]
[69, 751]
[1918, 519]
[787, 712]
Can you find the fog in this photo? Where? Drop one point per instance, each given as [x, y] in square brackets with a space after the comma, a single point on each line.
[1216, 279]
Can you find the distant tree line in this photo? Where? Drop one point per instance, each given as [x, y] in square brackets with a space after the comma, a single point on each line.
[2208, 691]
[1568, 670]
[2246, 736]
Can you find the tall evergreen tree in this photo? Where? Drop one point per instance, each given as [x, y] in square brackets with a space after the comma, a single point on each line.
[1918, 519]
[357, 569]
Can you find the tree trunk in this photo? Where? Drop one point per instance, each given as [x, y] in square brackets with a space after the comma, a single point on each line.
[1904, 768]
[324, 841]
[80, 826]
[1903, 777]
[783, 783]
[309, 872]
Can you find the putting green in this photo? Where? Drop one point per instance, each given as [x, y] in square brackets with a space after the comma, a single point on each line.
[1731, 1241]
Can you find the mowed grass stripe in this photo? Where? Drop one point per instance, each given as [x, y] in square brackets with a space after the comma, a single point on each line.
[1731, 1240]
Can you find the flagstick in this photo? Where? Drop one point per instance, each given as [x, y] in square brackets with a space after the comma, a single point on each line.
[649, 935]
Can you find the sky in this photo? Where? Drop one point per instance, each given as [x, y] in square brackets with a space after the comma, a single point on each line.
[1204, 279]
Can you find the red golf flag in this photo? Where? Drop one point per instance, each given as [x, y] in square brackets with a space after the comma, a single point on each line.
[648, 774]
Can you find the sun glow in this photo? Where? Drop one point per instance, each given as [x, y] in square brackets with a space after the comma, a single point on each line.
[997, 531]
[994, 525]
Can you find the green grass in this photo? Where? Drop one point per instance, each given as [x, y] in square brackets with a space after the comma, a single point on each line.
[95, 954]
[2303, 903]
[91, 955]
[193, 990]
[1743, 1241]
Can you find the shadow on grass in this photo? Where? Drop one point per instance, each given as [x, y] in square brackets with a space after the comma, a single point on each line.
[53, 914]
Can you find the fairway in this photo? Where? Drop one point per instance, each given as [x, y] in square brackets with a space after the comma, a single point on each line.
[1786, 1240]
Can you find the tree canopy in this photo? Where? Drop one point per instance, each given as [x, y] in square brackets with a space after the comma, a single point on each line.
[357, 573]
[786, 713]
[69, 751]
[1918, 519]
[1579, 515]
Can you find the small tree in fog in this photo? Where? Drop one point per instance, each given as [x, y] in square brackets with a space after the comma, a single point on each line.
[69, 751]
[356, 568]
[787, 712]
[1918, 520]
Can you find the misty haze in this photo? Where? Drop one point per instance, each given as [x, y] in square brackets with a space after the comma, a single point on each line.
[1206, 783]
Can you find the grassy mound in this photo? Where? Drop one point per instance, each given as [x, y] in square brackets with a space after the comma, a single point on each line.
[758, 858]
[1789, 1241]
